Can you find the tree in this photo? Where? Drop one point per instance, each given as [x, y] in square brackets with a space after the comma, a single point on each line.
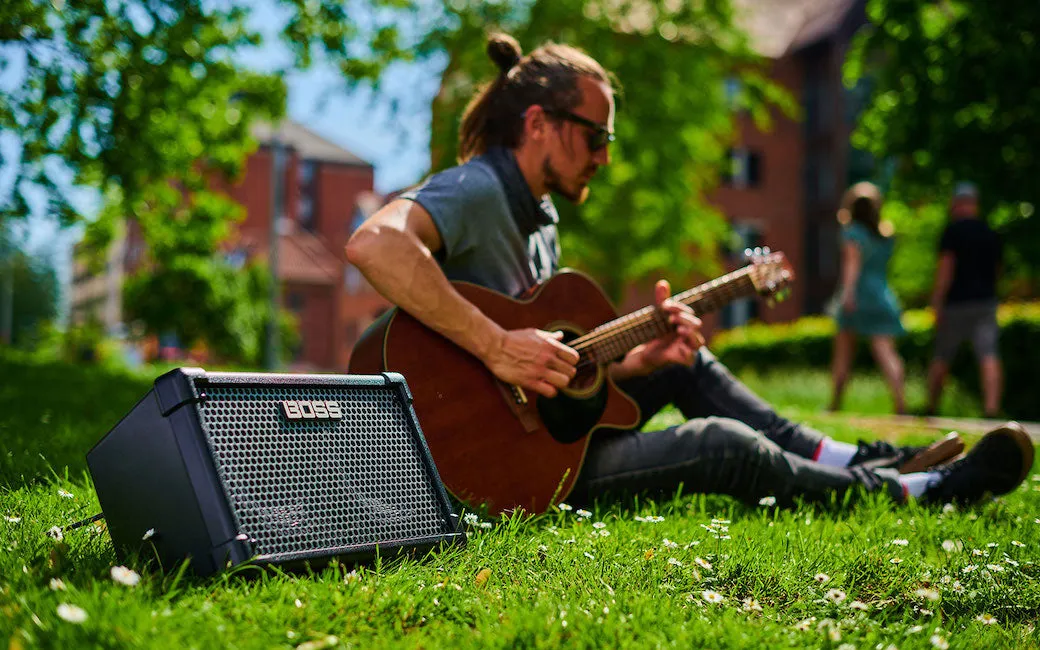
[144, 101]
[647, 212]
[229, 307]
[35, 292]
[956, 95]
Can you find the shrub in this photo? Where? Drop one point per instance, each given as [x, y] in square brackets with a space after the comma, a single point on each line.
[808, 341]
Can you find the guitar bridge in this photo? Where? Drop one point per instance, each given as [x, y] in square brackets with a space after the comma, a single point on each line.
[519, 396]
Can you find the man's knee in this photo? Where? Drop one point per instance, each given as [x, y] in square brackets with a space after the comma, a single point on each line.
[725, 436]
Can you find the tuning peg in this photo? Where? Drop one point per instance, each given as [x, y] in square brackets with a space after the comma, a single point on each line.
[765, 250]
[748, 253]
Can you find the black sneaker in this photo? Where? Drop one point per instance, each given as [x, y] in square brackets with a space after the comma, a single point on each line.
[879, 453]
[997, 464]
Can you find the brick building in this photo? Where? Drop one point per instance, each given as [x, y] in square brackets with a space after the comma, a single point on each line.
[786, 184]
[325, 191]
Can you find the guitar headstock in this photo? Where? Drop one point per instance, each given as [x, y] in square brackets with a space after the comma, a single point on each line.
[770, 272]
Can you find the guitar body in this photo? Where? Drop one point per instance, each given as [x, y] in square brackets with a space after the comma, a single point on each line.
[492, 443]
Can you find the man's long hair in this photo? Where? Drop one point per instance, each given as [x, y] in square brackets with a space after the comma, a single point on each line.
[547, 77]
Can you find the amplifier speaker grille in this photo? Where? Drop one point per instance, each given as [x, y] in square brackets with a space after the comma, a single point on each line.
[372, 484]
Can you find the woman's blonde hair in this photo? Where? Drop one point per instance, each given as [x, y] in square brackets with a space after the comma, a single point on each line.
[862, 204]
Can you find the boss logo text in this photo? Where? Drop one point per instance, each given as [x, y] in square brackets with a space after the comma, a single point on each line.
[307, 409]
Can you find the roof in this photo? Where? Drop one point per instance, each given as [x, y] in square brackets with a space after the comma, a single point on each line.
[778, 27]
[304, 258]
[308, 144]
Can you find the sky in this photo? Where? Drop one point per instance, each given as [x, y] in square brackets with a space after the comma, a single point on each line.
[358, 119]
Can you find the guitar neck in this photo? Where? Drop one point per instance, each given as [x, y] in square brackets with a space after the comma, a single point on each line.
[612, 340]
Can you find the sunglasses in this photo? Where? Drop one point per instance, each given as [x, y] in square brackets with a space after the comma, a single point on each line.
[600, 136]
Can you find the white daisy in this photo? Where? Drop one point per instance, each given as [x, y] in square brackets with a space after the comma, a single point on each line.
[915, 629]
[836, 596]
[1017, 543]
[767, 501]
[986, 619]
[896, 560]
[859, 605]
[57, 584]
[12, 520]
[604, 533]
[667, 543]
[995, 568]
[899, 542]
[712, 597]
[55, 533]
[599, 524]
[654, 519]
[148, 534]
[585, 514]
[71, 613]
[751, 605]
[969, 568]
[125, 576]
[927, 594]
[565, 507]
[674, 561]
[471, 518]
[822, 578]
[65, 495]
[590, 555]
[702, 563]
[951, 546]
[939, 642]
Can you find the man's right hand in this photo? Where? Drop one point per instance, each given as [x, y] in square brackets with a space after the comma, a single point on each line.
[533, 359]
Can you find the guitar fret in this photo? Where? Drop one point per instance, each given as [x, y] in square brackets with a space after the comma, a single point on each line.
[614, 339]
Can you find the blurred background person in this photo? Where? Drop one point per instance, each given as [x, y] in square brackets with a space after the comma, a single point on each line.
[965, 298]
[866, 305]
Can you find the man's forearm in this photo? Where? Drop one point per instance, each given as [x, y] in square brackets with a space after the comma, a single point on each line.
[405, 273]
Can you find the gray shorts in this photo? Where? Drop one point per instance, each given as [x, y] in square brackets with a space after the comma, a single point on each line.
[968, 320]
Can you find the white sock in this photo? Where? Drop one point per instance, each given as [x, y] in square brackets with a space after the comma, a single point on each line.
[917, 484]
[835, 454]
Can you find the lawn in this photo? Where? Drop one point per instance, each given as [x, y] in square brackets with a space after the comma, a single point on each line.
[688, 571]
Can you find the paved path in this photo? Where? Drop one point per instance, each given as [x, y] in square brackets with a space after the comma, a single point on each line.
[964, 425]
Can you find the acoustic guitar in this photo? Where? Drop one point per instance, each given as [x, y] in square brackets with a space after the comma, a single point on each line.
[499, 446]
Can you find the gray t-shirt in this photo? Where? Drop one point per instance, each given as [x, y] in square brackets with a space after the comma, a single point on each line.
[482, 242]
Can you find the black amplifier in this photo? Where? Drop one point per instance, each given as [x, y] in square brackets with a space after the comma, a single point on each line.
[226, 468]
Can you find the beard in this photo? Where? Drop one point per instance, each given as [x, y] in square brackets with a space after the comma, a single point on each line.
[553, 181]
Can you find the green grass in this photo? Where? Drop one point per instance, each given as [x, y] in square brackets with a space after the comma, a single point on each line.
[546, 581]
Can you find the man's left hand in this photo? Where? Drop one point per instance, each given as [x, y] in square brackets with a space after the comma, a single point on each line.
[676, 348]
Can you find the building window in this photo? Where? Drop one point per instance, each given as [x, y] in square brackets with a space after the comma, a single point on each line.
[734, 91]
[744, 170]
[295, 302]
[739, 312]
[305, 207]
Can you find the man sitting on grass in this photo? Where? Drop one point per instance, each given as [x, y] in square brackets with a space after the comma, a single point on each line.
[544, 125]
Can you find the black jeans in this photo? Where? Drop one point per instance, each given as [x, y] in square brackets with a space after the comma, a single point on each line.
[732, 443]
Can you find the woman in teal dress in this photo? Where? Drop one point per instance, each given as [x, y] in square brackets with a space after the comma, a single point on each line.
[867, 306]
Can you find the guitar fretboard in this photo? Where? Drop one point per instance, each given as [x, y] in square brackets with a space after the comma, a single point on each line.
[612, 340]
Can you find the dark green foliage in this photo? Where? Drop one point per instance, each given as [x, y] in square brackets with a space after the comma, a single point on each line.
[808, 343]
[35, 296]
[956, 95]
[206, 300]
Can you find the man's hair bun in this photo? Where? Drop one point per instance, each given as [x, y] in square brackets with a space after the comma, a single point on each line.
[504, 50]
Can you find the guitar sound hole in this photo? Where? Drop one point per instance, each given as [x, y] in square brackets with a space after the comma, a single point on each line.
[585, 379]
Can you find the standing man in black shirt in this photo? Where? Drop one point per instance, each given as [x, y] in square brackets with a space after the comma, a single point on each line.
[965, 298]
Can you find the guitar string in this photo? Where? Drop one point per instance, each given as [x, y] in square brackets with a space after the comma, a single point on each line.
[614, 338]
[728, 284]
